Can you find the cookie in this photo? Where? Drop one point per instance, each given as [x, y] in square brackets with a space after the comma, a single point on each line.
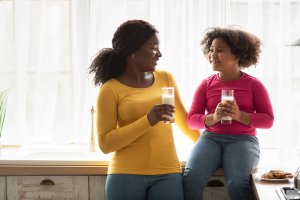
[277, 174]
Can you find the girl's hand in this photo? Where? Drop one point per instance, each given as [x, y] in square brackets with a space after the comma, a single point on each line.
[160, 113]
[235, 111]
[227, 108]
[219, 113]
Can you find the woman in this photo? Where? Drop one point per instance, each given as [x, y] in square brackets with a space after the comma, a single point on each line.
[130, 117]
[234, 147]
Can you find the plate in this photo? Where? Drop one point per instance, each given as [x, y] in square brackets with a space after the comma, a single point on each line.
[275, 179]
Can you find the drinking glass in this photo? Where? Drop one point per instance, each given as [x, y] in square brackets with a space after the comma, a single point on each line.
[227, 95]
[168, 97]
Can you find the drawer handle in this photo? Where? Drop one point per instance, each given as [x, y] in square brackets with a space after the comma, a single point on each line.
[215, 183]
[47, 182]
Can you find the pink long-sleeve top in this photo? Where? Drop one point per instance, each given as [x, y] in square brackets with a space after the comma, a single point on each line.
[251, 96]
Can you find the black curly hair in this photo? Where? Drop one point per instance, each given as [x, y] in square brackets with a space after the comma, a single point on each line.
[111, 62]
[244, 45]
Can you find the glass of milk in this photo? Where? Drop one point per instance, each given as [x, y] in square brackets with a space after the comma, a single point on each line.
[168, 97]
[227, 95]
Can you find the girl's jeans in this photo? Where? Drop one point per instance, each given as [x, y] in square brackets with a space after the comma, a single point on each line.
[238, 155]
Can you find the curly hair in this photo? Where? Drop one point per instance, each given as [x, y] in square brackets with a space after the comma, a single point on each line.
[244, 45]
[111, 62]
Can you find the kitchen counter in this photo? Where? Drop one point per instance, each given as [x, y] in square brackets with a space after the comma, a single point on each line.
[22, 170]
[77, 159]
[266, 190]
[285, 159]
[53, 160]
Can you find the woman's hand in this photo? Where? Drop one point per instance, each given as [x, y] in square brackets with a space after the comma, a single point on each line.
[160, 113]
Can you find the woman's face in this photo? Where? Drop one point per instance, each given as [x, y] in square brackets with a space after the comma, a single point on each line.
[147, 55]
[220, 56]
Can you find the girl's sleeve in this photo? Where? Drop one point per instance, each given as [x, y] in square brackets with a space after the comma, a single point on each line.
[181, 114]
[110, 136]
[196, 115]
[263, 116]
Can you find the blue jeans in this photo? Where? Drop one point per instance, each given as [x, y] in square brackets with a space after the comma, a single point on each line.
[144, 187]
[238, 155]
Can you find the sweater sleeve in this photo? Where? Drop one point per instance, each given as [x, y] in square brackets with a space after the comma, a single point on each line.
[263, 116]
[110, 136]
[196, 115]
[181, 114]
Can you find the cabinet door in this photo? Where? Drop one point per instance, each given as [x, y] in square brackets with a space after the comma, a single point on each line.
[2, 188]
[47, 187]
[97, 187]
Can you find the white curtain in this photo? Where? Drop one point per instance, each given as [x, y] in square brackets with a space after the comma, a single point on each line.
[47, 46]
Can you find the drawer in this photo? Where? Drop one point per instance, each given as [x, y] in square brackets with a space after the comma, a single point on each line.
[216, 189]
[47, 187]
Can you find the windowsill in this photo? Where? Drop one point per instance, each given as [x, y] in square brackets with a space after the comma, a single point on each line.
[270, 158]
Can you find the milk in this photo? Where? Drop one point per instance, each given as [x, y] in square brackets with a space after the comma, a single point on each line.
[227, 95]
[168, 98]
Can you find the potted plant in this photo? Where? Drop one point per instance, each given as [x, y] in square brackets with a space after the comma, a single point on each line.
[3, 101]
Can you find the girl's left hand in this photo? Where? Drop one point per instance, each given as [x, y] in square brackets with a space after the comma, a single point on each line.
[235, 111]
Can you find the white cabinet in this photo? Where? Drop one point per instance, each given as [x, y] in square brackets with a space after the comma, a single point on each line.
[52, 187]
[47, 187]
[80, 188]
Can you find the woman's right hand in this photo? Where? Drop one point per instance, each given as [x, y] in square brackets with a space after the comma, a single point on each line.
[159, 113]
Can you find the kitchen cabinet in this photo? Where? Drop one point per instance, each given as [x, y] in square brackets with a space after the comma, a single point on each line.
[216, 188]
[86, 182]
[2, 188]
[80, 187]
[97, 187]
[52, 187]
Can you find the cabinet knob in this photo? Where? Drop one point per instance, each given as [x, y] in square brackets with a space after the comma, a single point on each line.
[47, 182]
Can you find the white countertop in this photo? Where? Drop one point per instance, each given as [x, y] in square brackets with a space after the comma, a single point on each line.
[53, 155]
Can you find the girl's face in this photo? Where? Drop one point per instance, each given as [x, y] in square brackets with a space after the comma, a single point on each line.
[147, 55]
[220, 56]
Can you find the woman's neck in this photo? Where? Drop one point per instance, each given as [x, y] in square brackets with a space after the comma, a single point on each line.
[138, 80]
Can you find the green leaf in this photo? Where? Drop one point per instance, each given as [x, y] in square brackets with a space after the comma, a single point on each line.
[3, 103]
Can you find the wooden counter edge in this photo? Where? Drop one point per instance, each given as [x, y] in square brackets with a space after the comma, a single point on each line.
[61, 170]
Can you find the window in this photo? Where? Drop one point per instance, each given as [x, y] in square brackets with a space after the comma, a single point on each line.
[47, 46]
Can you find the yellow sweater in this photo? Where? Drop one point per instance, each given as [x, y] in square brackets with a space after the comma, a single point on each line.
[123, 128]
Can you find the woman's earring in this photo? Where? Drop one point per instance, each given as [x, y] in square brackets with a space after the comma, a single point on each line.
[132, 55]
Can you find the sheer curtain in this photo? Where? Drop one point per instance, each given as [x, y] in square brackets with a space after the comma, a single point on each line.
[43, 60]
[47, 46]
